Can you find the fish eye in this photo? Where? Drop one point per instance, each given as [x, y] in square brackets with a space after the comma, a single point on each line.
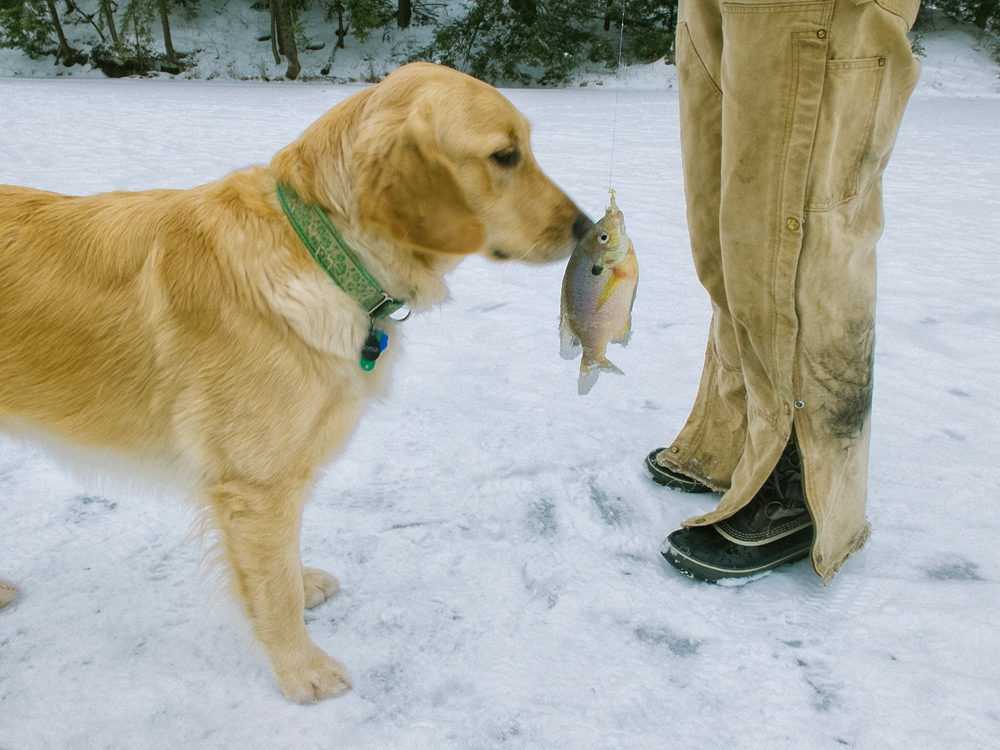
[508, 157]
[603, 238]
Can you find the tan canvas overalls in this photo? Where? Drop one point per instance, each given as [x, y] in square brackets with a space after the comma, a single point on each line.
[789, 111]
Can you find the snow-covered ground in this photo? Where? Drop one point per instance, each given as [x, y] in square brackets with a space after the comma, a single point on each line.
[494, 533]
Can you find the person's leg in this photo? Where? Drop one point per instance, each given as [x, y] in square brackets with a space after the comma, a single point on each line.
[870, 73]
[767, 81]
[710, 445]
[812, 96]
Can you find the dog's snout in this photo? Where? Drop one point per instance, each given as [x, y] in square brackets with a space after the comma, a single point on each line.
[581, 226]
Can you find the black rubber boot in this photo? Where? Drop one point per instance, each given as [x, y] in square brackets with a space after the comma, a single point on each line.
[675, 480]
[773, 529]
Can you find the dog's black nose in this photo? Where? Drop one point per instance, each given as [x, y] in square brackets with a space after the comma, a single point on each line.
[581, 226]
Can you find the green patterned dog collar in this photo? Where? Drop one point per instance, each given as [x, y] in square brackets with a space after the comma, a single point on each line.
[326, 245]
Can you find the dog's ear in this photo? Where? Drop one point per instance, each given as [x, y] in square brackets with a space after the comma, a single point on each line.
[407, 188]
[313, 164]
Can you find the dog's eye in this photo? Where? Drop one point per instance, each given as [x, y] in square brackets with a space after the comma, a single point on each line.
[508, 157]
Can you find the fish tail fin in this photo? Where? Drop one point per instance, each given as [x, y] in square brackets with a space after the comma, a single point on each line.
[569, 344]
[606, 365]
[591, 369]
[588, 376]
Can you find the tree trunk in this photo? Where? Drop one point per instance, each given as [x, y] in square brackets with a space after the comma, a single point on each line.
[329, 63]
[404, 13]
[271, 5]
[341, 31]
[66, 53]
[983, 11]
[277, 26]
[286, 39]
[111, 26]
[110, 20]
[167, 42]
[671, 56]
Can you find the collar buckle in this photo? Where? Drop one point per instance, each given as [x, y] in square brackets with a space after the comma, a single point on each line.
[384, 307]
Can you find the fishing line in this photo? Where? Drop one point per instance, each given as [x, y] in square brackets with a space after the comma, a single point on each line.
[614, 120]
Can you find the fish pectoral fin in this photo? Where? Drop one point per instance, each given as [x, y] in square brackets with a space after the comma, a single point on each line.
[609, 288]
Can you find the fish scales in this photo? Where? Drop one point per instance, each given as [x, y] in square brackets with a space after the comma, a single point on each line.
[597, 295]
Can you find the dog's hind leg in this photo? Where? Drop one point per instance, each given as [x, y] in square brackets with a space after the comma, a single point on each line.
[259, 535]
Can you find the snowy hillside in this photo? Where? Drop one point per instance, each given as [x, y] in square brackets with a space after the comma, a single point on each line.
[494, 533]
[221, 43]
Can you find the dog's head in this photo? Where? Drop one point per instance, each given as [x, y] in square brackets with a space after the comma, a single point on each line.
[438, 161]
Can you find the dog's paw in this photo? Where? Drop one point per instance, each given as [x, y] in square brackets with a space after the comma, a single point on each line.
[319, 677]
[318, 585]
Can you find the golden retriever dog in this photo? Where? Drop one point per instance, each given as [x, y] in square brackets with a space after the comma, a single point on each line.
[191, 330]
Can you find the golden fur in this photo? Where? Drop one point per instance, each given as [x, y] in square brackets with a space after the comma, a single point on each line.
[191, 328]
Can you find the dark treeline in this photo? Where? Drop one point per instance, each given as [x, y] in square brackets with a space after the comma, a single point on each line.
[499, 41]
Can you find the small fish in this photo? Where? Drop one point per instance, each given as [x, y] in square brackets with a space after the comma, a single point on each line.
[597, 295]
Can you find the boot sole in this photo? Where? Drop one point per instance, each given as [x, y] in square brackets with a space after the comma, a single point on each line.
[709, 574]
[675, 480]
[706, 571]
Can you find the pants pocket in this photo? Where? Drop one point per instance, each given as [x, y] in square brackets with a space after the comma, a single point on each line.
[689, 61]
[844, 130]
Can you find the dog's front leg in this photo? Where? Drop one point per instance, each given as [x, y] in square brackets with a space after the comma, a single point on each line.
[259, 529]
